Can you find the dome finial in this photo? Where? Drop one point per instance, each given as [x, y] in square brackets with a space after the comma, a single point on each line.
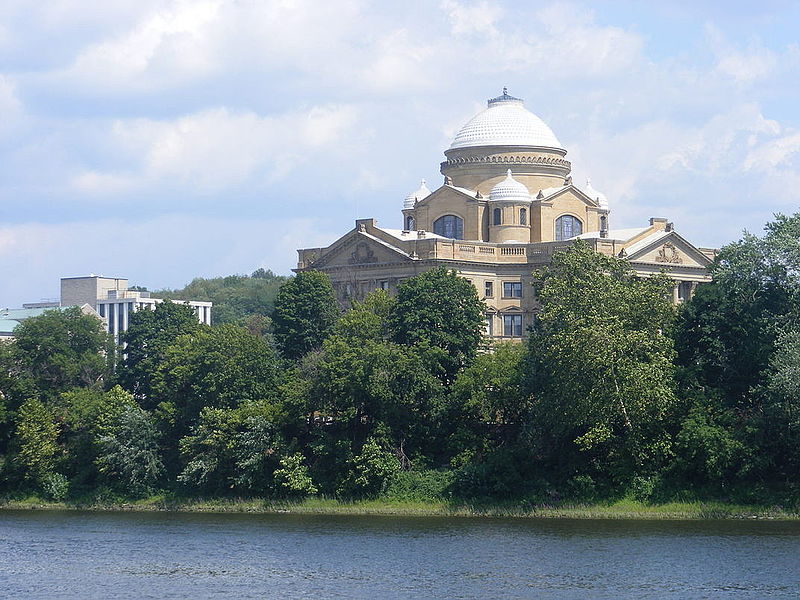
[505, 91]
[508, 174]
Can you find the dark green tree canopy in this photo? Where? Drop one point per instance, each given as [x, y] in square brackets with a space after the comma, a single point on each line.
[61, 349]
[150, 333]
[305, 313]
[727, 333]
[440, 313]
[219, 367]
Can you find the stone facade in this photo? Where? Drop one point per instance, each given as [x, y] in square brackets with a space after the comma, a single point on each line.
[507, 204]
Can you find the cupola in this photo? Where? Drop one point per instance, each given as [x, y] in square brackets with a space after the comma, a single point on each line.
[509, 190]
[415, 196]
[598, 197]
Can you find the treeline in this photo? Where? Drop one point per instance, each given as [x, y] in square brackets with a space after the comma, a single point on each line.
[240, 299]
[616, 393]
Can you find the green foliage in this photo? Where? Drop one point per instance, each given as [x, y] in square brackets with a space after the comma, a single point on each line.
[369, 471]
[54, 486]
[305, 313]
[149, 334]
[61, 349]
[128, 453]
[85, 415]
[292, 477]
[231, 449]
[429, 485]
[254, 451]
[236, 298]
[726, 335]
[362, 386]
[600, 365]
[219, 367]
[367, 320]
[36, 439]
[439, 313]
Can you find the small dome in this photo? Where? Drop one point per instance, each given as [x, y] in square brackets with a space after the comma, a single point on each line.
[506, 122]
[598, 197]
[416, 196]
[509, 190]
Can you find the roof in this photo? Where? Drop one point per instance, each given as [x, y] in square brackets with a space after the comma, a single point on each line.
[7, 325]
[620, 235]
[409, 235]
[505, 122]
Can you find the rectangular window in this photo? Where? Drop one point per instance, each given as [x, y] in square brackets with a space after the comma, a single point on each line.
[512, 289]
[489, 325]
[384, 285]
[110, 308]
[512, 325]
[489, 289]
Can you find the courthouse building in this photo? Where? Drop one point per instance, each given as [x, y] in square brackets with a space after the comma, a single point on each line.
[507, 204]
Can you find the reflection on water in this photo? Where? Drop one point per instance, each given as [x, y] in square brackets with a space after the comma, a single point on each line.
[52, 554]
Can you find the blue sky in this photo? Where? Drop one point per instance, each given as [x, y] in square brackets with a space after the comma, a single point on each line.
[164, 140]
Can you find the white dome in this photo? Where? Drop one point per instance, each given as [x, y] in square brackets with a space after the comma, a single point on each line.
[598, 197]
[413, 197]
[506, 122]
[509, 190]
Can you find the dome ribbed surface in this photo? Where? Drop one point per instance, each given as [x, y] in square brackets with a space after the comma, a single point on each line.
[506, 122]
[509, 190]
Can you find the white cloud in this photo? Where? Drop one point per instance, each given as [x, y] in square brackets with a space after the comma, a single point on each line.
[215, 149]
[479, 17]
[165, 49]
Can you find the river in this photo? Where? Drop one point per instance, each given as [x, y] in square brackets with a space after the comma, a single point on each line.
[67, 554]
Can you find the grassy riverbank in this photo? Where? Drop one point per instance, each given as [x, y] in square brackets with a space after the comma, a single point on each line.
[621, 509]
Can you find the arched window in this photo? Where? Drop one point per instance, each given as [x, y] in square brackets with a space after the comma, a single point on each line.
[409, 223]
[568, 227]
[497, 216]
[603, 223]
[523, 216]
[449, 226]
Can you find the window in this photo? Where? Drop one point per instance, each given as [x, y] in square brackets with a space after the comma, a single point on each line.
[512, 325]
[497, 216]
[523, 216]
[568, 227]
[409, 223]
[449, 226]
[489, 324]
[512, 289]
[603, 223]
[384, 285]
[488, 289]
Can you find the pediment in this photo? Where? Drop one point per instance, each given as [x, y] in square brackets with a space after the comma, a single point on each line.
[444, 193]
[357, 248]
[568, 193]
[670, 250]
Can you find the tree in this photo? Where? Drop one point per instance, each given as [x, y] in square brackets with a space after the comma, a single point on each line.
[726, 334]
[61, 349]
[440, 314]
[305, 313]
[219, 367]
[128, 455]
[236, 298]
[36, 440]
[600, 365]
[149, 334]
